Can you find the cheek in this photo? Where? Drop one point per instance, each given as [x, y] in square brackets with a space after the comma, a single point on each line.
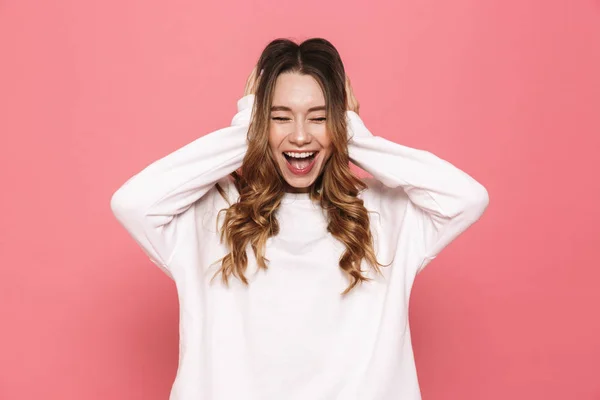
[325, 141]
[276, 136]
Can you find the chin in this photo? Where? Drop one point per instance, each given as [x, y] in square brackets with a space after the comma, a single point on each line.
[299, 183]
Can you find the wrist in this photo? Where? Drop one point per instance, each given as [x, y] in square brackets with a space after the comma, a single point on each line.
[355, 126]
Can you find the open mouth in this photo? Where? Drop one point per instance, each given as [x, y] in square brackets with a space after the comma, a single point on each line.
[309, 155]
[300, 163]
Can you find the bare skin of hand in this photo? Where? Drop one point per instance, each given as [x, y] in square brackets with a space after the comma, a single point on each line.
[252, 82]
[353, 104]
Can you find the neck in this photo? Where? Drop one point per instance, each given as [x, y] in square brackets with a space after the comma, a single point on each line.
[291, 189]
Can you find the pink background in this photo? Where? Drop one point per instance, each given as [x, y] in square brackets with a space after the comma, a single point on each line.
[509, 91]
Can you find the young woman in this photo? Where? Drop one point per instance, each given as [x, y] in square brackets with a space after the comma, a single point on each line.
[293, 275]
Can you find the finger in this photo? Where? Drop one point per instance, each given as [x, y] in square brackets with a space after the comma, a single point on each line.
[253, 73]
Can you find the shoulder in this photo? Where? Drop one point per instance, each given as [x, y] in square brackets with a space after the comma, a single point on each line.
[379, 196]
[208, 207]
[386, 205]
[222, 193]
[227, 195]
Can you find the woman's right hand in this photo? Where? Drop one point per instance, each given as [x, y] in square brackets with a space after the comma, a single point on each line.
[252, 82]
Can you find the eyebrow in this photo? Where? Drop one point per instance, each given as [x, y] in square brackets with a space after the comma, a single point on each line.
[284, 108]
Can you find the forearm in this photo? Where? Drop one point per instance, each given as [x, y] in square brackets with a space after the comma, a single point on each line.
[431, 183]
[147, 203]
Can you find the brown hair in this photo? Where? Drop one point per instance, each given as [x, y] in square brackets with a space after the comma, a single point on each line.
[251, 220]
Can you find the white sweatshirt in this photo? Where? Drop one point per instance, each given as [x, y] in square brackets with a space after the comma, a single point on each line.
[290, 335]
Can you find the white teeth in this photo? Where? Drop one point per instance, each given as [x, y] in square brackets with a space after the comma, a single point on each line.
[299, 155]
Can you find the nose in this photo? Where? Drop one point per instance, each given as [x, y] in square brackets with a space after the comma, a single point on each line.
[300, 136]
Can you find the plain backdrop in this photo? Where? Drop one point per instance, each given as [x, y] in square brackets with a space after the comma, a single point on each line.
[509, 91]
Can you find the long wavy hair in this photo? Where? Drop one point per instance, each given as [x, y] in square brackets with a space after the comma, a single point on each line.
[252, 219]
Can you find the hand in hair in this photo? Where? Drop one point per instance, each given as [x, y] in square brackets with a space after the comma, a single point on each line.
[353, 104]
[252, 82]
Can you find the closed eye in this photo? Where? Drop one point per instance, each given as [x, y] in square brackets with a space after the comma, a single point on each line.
[287, 119]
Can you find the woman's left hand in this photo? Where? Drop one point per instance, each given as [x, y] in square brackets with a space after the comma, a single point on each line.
[353, 104]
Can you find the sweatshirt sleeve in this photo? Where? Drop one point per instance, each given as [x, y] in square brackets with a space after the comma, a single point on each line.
[149, 204]
[444, 201]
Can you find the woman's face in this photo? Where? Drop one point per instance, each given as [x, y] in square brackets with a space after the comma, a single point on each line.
[297, 127]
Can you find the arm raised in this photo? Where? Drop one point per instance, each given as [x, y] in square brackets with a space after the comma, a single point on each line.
[444, 200]
[149, 204]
